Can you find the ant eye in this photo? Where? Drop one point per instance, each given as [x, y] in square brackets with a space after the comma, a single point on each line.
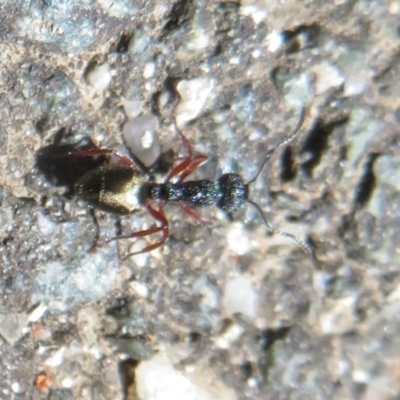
[234, 192]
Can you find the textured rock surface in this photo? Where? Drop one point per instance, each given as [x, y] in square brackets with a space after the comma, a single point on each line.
[93, 327]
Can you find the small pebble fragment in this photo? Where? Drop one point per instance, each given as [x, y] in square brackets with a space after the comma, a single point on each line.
[240, 297]
[132, 108]
[12, 327]
[43, 382]
[328, 77]
[194, 94]
[99, 77]
[157, 379]
[140, 135]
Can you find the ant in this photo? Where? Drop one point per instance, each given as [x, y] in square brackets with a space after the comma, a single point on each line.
[128, 186]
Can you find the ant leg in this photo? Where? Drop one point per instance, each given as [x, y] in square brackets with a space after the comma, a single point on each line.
[104, 152]
[193, 214]
[189, 164]
[187, 167]
[143, 233]
[185, 141]
[196, 163]
[160, 217]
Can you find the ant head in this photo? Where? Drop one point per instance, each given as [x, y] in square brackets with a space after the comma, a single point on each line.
[233, 192]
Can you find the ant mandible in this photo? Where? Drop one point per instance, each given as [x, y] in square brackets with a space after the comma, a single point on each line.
[128, 186]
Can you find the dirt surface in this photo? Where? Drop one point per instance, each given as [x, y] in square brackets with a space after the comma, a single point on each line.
[251, 311]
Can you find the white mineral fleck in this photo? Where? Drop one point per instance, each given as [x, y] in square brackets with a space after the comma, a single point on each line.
[56, 359]
[149, 70]
[355, 85]
[194, 94]
[46, 225]
[67, 383]
[238, 239]
[254, 11]
[16, 387]
[37, 313]
[229, 336]
[157, 379]
[240, 296]
[140, 288]
[274, 41]
[140, 135]
[328, 77]
[132, 108]
[99, 77]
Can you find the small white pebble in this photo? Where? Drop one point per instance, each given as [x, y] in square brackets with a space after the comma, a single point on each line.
[361, 376]
[139, 288]
[253, 382]
[231, 335]
[56, 359]
[16, 387]
[194, 94]
[67, 383]
[355, 85]
[140, 135]
[274, 41]
[240, 297]
[149, 70]
[238, 239]
[255, 12]
[37, 313]
[328, 76]
[132, 108]
[99, 77]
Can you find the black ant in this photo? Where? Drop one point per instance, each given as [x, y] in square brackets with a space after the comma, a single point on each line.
[128, 186]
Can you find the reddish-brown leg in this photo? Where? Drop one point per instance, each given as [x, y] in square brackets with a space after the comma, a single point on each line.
[186, 167]
[104, 152]
[160, 217]
[196, 163]
[143, 233]
[185, 141]
[187, 162]
[193, 214]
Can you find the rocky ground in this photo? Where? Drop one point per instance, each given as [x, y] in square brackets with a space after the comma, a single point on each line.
[224, 310]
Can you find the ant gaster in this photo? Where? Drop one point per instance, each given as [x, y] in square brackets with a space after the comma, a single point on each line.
[128, 186]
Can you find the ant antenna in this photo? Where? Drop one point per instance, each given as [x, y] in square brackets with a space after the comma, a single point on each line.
[283, 142]
[273, 228]
[269, 225]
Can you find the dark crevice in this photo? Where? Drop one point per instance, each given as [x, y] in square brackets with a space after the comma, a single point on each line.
[317, 143]
[127, 373]
[270, 336]
[178, 16]
[121, 309]
[41, 123]
[267, 340]
[301, 37]
[123, 44]
[367, 183]
[288, 167]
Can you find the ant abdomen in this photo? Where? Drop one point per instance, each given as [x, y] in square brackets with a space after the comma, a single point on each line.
[114, 188]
